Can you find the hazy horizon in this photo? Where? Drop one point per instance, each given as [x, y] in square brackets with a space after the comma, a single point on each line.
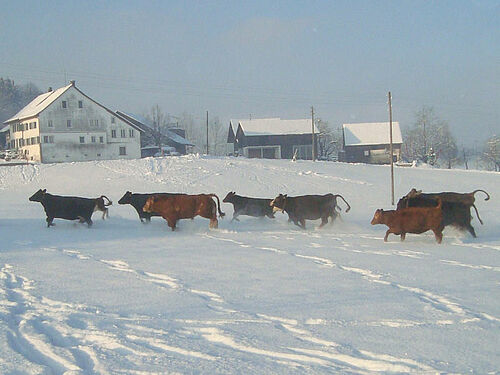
[264, 59]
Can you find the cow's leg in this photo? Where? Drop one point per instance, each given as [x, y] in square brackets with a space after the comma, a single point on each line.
[403, 236]
[89, 222]
[471, 230]
[214, 223]
[302, 223]
[387, 234]
[49, 221]
[235, 216]
[438, 234]
[172, 224]
[324, 221]
[271, 215]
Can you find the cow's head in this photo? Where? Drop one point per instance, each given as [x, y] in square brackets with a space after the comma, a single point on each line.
[413, 193]
[38, 196]
[126, 199]
[378, 217]
[229, 197]
[278, 203]
[150, 202]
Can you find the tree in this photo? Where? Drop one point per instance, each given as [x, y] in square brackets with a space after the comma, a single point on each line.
[159, 122]
[328, 140]
[13, 98]
[217, 137]
[492, 152]
[428, 133]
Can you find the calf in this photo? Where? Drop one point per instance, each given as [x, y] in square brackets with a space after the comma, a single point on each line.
[68, 208]
[456, 206]
[100, 205]
[257, 207]
[138, 201]
[182, 206]
[308, 207]
[412, 220]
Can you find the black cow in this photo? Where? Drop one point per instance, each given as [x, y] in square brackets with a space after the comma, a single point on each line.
[138, 201]
[257, 207]
[68, 208]
[308, 207]
[456, 207]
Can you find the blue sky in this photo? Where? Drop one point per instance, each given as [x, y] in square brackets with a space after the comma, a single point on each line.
[267, 58]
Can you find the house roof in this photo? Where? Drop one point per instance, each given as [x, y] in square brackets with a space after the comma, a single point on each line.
[145, 125]
[42, 101]
[5, 129]
[38, 104]
[371, 133]
[274, 126]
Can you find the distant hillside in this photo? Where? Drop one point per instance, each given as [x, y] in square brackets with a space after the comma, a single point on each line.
[13, 98]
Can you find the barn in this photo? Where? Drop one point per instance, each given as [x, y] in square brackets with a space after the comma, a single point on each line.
[271, 138]
[370, 143]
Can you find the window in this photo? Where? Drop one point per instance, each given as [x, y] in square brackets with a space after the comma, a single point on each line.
[366, 152]
[93, 139]
[113, 133]
[33, 140]
[94, 123]
[98, 154]
[34, 125]
[68, 123]
[26, 126]
[123, 150]
[50, 124]
[28, 141]
[64, 104]
[122, 133]
[48, 139]
[82, 139]
[131, 133]
[37, 140]
[101, 139]
[112, 120]
[80, 104]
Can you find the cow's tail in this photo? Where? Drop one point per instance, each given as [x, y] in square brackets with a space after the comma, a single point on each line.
[109, 200]
[487, 195]
[341, 197]
[221, 214]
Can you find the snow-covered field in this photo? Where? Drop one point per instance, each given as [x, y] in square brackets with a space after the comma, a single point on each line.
[258, 296]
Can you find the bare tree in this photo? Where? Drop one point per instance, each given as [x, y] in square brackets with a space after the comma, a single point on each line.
[159, 122]
[328, 140]
[492, 152]
[430, 139]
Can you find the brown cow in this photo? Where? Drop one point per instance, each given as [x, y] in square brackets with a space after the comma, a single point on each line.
[175, 207]
[412, 220]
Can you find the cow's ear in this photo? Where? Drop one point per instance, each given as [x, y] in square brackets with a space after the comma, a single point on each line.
[44, 191]
[285, 196]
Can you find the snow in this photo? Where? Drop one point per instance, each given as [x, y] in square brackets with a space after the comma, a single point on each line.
[274, 126]
[371, 133]
[38, 104]
[258, 296]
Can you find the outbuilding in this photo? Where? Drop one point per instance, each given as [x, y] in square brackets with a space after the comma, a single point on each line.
[271, 138]
[370, 143]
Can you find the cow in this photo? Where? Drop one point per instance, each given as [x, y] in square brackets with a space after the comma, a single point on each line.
[183, 206]
[63, 207]
[100, 205]
[310, 207]
[412, 220]
[456, 206]
[138, 201]
[256, 207]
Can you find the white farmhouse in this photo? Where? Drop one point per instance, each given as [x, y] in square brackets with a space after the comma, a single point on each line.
[66, 125]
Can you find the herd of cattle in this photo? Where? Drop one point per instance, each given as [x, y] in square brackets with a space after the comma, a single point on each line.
[416, 212]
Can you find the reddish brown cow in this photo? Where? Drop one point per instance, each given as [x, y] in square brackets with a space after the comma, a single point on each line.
[175, 207]
[412, 220]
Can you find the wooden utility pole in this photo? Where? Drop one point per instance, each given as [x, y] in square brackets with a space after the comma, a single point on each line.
[390, 149]
[207, 132]
[313, 142]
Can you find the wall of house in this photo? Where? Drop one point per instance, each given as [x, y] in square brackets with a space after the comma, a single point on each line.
[25, 136]
[374, 154]
[285, 142]
[62, 129]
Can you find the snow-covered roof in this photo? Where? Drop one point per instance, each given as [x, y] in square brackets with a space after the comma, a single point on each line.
[143, 122]
[38, 104]
[273, 126]
[371, 133]
[5, 129]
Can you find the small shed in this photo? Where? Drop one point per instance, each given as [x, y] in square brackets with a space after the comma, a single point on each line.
[370, 143]
[271, 138]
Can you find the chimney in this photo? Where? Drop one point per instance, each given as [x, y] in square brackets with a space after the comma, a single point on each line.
[72, 82]
[50, 89]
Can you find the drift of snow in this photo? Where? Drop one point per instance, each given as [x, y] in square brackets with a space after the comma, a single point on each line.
[258, 296]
